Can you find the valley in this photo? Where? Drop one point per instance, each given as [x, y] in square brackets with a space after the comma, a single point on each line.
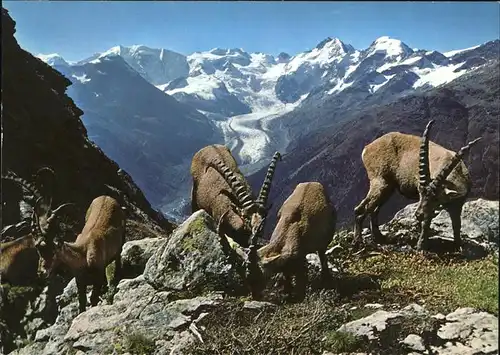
[255, 103]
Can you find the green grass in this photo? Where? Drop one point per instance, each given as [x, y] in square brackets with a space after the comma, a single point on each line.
[442, 285]
[342, 342]
[439, 284]
[135, 343]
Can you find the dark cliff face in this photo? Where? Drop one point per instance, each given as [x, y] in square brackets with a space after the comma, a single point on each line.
[463, 110]
[41, 126]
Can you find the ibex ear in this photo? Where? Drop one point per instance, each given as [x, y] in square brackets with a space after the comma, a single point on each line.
[450, 192]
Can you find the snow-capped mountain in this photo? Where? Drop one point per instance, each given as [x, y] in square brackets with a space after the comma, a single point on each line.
[53, 59]
[158, 66]
[260, 103]
[149, 134]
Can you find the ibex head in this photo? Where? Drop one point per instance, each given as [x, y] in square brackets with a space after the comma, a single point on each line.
[246, 260]
[432, 193]
[45, 230]
[252, 212]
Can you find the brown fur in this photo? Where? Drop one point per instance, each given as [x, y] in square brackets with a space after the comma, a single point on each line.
[392, 162]
[212, 192]
[306, 224]
[99, 243]
[19, 261]
[19, 258]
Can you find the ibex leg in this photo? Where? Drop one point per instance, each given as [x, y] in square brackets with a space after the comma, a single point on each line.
[82, 294]
[301, 280]
[98, 283]
[325, 272]
[379, 192]
[424, 234]
[455, 212]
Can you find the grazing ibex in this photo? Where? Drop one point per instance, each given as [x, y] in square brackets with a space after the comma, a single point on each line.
[306, 224]
[408, 163]
[19, 259]
[221, 189]
[99, 243]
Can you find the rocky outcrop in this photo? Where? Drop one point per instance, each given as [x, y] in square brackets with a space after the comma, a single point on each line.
[136, 253]
[188, 278]
[464, 331]
[192, 260]
[185, 276]
[479, 224]
[41, 126]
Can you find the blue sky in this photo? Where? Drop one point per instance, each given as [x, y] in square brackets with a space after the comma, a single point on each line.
[77, 29]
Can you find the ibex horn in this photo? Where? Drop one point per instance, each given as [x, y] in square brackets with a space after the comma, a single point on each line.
[55, 212]
[447, 169]
[266, 185]
[424, 170]
[237, 187]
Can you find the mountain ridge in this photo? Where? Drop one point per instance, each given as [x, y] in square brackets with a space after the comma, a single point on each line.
[257, 103]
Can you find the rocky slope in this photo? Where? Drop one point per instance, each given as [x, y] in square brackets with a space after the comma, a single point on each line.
[186, 295]
[41, 126]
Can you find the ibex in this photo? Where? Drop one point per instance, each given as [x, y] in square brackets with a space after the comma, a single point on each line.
[306, 224]
[19, 259]
[408, 163]
[221, 189]
[99, 243]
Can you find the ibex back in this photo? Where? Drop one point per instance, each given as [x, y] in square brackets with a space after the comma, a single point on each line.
[221, 189]
[99, 243]
[306, 224]
[408, 163]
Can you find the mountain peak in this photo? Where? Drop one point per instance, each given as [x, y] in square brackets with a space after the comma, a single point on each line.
[334, 45]
[391, 46]
[323, 42]
[283, 57]
[116, 50]
[53, 59]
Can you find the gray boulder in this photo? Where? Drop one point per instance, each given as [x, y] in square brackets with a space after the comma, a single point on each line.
[192, 260]
[479, 224]
[464, 331]
[136, 253]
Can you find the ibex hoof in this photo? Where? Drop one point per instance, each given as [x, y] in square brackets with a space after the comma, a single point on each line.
[458, 245]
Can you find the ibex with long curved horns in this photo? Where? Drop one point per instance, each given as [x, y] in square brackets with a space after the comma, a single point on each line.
[419, 169]
[99, 243]
[306, 224]
[19, 258]
[221, 189]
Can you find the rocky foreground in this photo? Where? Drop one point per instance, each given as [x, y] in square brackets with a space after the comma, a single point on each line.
[182, 297]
